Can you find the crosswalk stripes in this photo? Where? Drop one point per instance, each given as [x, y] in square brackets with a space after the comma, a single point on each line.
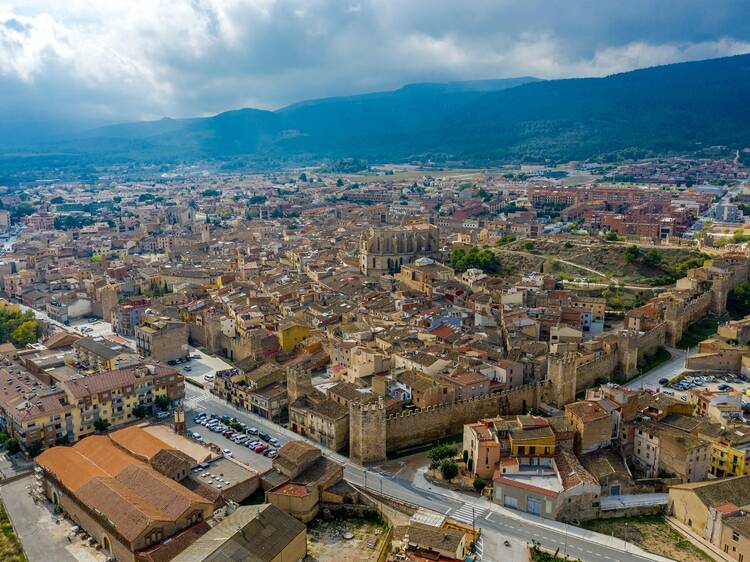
[464, 514]
[478, 548]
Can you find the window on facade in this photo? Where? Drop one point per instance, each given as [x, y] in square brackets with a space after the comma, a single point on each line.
[735, 536]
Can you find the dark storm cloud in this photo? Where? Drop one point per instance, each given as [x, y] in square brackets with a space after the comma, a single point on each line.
[123, 59]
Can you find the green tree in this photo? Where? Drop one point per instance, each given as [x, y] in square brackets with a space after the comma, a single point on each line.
[140, 411]
[161, 402]
[34, 448]
[26, 333]
[484, 259]
[652, 257]
[466, 455]
[528, 246]
[440, 451]
[479, 484]
[12, 446]
[101, 424]
[739, 299]
[449, 469]
[632, 253]
[611, 236]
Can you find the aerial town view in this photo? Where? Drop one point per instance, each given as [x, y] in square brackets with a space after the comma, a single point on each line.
[354, 301]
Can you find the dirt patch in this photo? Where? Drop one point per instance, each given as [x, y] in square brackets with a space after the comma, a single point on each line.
[350, 540]
[651, 533]
[609, 259]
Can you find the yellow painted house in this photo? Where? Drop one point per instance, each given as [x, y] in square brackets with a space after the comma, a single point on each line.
[729, 458]
[533, 442]
[291, 334]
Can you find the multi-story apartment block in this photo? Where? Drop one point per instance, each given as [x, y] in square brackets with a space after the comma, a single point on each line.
[126, 316]
[39, 416]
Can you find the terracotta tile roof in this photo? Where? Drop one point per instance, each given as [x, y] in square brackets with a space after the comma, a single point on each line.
[100, 450]
[165, 494]
[587, 411]
[139, 442]
[129, 513]
[69, 467]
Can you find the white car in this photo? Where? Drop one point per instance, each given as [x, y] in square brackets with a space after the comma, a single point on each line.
[227, 452]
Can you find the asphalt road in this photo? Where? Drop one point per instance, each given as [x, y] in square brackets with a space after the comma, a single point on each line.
[666, 370]
[496, 523]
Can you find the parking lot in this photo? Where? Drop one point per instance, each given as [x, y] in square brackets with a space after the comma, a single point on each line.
[714, 382]
[256, 460]
[201, 365]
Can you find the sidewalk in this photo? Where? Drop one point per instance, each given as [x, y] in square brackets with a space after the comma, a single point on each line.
[597, 538]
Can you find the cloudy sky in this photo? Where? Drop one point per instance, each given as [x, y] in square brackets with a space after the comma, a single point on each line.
[115, 60]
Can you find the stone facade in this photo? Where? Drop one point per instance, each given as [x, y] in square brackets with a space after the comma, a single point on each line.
[385, 250]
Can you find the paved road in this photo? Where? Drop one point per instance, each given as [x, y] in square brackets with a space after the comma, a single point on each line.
[496, 523]
[666, 370]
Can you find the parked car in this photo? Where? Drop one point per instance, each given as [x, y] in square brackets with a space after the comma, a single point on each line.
[260, 448]
[663, 381]
[252, 430]
[275, 442]
[162, 415]
[270, 453]
[188, 368]
[264, 436]
[228, 452]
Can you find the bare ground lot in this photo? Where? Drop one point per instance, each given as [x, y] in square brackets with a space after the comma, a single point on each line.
[328, 542]
[651, 533]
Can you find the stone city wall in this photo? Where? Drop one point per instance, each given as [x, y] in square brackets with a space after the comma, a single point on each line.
[410, 429]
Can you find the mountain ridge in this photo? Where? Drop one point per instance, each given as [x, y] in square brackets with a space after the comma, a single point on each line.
[669, 108]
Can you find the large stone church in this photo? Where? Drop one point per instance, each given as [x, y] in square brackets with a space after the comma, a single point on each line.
[384, 250]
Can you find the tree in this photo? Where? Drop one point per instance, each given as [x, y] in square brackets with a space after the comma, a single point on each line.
[739, 298]
[12, 446]
[140, 411]
[161, 402]
[34, 448]
[101, 424]
[469, 464]
[466, 455]
[652, 257]
[303, 177]
[632, 253]
[26, 333]
[479, 484]
[528, 246]
[484, 259]
[440, 451]
[449, 469]
[611, 236]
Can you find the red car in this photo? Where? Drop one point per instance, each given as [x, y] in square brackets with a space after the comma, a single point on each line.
[260, 448]
[228, 433]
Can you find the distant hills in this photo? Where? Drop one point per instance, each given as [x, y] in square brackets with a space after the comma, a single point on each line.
[672, 108]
